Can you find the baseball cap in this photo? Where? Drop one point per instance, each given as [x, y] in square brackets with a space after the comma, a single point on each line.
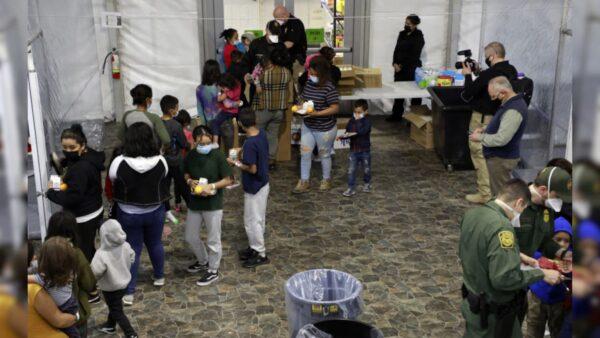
[557, 180]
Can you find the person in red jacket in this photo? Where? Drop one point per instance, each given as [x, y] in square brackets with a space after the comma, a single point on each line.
[231, 38]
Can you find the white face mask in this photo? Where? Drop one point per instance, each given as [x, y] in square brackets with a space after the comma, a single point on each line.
[314, 79]
[553, 203]
[359, 116]
[273, 38]
[516, 220]
[583, 209]
[281, 22]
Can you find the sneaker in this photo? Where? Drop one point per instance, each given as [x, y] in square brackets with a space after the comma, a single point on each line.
[255, 261]
[158, 281]
[325, 185]
[477, 198]
[246, 254]
[107, 329]
[349, 192]
[233, 186]
[301, 187]
[94, 298]
[208, 278]
[197, 267]
[128, 300]
[171, 217]
[367, 188]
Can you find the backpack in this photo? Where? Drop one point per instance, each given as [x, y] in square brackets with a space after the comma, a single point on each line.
[523, 86]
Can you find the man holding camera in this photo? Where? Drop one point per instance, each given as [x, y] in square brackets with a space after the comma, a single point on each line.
[484, 108]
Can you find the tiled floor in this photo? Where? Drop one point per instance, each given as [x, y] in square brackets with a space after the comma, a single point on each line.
[401, 241]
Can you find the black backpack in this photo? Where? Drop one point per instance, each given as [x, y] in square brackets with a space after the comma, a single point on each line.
[523, 86]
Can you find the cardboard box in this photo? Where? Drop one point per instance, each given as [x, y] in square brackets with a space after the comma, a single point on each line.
[368, 77]
[347, 71]
[421, 129]
[420, 110]
[347, 82]
[345, 90]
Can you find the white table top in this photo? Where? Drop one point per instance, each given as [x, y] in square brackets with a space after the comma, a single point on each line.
[393, 90]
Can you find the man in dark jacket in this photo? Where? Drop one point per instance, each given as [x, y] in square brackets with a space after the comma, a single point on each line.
[484, 108]
[293, 36]
[407, 57]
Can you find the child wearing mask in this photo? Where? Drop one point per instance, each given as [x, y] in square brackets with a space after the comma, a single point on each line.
[173, 154]
[546, 303]
[255, 179]
[358, 131]
[228, 103]
[230, 36]
[57, 265]
[111, 266]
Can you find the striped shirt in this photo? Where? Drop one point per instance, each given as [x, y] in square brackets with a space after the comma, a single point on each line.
[275, 90]
[323, 97]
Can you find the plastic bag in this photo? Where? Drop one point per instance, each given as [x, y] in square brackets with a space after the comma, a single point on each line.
[310, 331]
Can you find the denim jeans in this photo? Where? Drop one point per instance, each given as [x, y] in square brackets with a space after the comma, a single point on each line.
[145, 229]
[324, 141]
[215, 125]
[354, 160]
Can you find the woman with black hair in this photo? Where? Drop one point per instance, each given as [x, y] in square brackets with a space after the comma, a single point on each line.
[63, 224]
[82, 193]
[407, 57]
[142, 99]
[207, 92]
[329, 54]
[273, 98]
[140, 188]
[319, 126]
[230, 36]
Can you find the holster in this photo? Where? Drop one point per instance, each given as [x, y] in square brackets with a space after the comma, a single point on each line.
[505, 313]
[477, 305]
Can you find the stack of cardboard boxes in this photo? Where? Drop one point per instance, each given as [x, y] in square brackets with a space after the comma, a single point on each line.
[358, 77]
[347, 82]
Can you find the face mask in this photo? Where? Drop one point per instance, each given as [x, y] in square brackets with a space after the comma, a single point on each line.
[359, 116]
[488, 62]
[314, 79]
[204, 149]
[71, 156]
[273, 38]
[280, 22]
[516, 220]
[406, 28]
[583, 209]
[553, 203]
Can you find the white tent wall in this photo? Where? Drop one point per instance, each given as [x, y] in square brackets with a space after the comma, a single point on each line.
[158, 46]
[65, 57]
[470, 27]
[247, 14]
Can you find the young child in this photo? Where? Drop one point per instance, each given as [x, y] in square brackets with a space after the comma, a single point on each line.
[358, 131]
[547, 302]
[228, 103]
[57, 264]
[184, 118]
[239, 69]
[230, 36]
[255, 179]
[111, 265]
[170, 107]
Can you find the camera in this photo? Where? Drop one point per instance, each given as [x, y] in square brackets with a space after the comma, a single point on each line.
[467, 54]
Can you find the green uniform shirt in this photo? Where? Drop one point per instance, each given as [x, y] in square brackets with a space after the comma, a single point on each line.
[152, 120]
[214, 168]
[536, 231]
[490, 256]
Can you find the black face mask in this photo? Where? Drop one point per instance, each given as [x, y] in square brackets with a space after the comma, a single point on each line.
[488, 62]
[407, 28]
[71, 156]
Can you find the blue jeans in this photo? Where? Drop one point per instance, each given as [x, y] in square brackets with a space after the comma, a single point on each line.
[215, 125]
[145, 229]
[324, 141]
[354, 160]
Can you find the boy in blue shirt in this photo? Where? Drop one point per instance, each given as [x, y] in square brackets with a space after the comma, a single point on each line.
[358, 131]
[547, 302]
[254, 165]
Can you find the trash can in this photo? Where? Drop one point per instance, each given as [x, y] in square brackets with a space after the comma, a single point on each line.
[316, 295]
[451, 119]
[339, 328]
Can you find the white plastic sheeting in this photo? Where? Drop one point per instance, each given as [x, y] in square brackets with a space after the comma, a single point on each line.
[158, 45]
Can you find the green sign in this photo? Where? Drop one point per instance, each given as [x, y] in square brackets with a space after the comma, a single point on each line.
[314, 36]
[257, 32]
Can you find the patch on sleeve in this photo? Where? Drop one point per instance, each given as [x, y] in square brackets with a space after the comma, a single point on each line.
[546, 216]
[507, 239]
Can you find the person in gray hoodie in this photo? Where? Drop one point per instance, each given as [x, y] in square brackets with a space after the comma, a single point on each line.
[111, 265]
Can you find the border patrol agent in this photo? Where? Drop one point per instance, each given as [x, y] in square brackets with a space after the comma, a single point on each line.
[491, 265]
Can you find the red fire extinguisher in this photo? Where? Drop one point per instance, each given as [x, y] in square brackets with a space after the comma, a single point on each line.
[116, 64]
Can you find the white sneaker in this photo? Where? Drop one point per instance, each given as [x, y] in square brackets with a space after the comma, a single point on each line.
[128, 300]
[172, 218]
[159, 281]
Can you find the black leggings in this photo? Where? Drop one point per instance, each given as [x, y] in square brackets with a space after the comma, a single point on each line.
[87, 236]
[405, 74]
[114, 301]
[182, 191]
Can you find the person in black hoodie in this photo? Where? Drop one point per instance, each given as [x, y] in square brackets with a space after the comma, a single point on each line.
[82, 194]
[484, 108]
[239, 69]
[407, 57]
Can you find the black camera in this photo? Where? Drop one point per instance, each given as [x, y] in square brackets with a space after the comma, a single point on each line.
[467, 54]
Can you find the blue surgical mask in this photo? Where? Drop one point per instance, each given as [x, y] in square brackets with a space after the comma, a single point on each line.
[204, 149]
[314, 78]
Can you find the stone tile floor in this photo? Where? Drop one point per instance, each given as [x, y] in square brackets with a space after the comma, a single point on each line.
[401, 241]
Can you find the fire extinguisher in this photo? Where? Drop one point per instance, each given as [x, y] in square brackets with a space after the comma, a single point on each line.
[116, 64]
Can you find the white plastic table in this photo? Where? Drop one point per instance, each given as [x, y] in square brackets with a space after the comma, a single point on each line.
[392, 90]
